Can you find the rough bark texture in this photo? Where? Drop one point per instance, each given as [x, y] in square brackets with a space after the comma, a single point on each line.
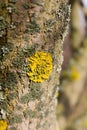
[28, 26]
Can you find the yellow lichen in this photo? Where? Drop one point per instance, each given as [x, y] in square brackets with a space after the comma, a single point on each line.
[74, 75]
[40, 65]
[3, 125]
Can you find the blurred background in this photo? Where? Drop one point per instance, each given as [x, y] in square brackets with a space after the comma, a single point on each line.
[72, 106]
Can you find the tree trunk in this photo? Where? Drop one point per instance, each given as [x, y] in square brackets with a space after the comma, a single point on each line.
[28, 27]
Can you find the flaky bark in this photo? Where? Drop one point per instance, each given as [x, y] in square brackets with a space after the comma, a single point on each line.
[28, 26]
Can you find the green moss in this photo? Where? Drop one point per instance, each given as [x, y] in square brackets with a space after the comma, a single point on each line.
[12, 96]
[64, 10]
[18, 107]
[40, 106]
[32, 27]
[61, 11]
[15, 119]
[3, 5]
[11, 8]
[50, 24]
[3, 26]
[26, 6]
[10, 80]
[35, 92]
[29, 50]
[12, 128]
[9, 46]
[25, 99]
[3, 23]
[26, 38]
[46, 113]
[23, 53]
[46, 124]
[30, 114]
[12, 1]
[54, 90]
[2, 95]
[1, 54]
[5, 49]
[3, 105]
[18, 62]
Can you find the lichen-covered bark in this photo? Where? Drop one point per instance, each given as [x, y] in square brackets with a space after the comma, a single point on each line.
[28, 26]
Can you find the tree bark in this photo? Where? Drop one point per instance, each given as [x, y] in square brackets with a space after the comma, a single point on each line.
[26, 27]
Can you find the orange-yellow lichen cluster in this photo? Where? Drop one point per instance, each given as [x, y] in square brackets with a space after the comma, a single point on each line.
[3, 125]
[40, 65]
[74, 75]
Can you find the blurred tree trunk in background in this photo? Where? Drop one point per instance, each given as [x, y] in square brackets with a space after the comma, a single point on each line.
[78, 23]
[26, 27]
[72, 107]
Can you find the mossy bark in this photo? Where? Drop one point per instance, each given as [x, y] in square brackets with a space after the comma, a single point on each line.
[28, 26]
